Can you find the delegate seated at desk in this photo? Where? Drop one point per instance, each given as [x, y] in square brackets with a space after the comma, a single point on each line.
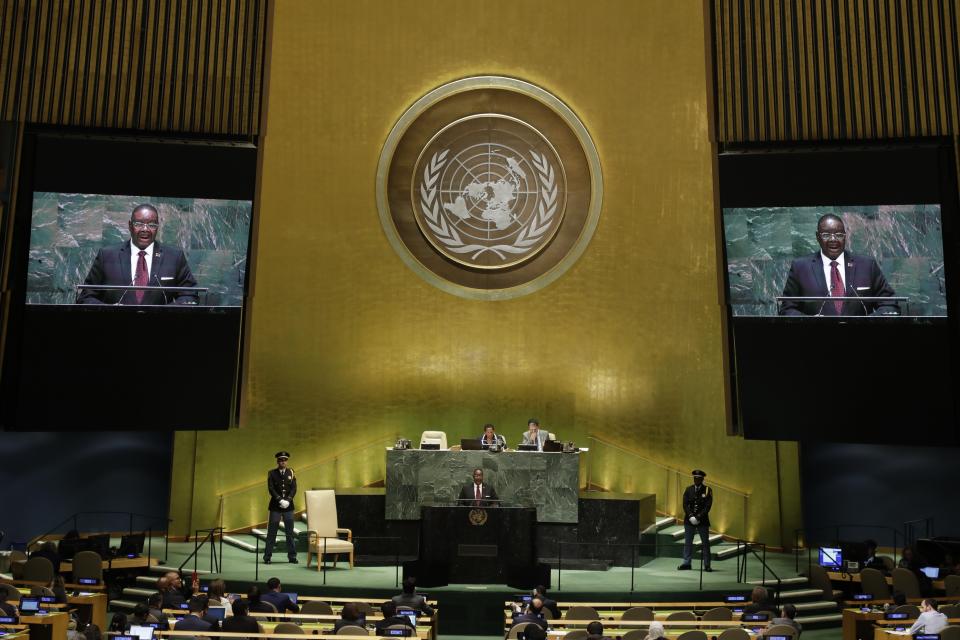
[491, 437]
[533, 434]
[478, 494]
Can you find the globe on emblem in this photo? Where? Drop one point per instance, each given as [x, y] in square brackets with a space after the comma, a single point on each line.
[489, 191]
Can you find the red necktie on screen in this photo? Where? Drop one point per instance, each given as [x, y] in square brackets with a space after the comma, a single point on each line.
[140, 278]
[478, 494]
[836, 286]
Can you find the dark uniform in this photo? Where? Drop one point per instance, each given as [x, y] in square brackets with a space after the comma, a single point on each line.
[282, 485]
[697, 500]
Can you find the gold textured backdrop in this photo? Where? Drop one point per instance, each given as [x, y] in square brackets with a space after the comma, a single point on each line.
[348, 348]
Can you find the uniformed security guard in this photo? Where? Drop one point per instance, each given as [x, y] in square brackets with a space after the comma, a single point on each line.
[697, 500]
[282, 485]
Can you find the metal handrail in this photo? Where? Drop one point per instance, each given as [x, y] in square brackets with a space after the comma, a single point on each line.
[147, 529]
[750, 548]
[634, 548]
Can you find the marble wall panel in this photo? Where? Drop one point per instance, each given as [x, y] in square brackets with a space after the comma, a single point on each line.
[906, 241]
[67, 229]
[547, 481]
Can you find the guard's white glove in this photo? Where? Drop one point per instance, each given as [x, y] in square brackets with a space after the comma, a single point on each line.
[284, 504]
[694, 521]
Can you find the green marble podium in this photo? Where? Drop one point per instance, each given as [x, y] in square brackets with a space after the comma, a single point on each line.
[547, 481]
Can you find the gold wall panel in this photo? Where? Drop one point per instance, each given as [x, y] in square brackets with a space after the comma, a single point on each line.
[347, 348]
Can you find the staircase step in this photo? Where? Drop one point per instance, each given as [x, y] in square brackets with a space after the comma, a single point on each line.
[817, 607]
[136, 592]
[262, 533]
[660, 524]
[123, 604]
[725, 551]
[801, 594]
[157, 568]
[772, 582]
[239, 543]
[821, 621]
[147, 582]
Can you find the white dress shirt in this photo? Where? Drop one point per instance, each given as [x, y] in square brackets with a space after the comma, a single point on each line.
[135, 257]
[840, 267]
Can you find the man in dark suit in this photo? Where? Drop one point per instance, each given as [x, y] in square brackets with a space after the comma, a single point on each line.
[277, 598]
[834, 272]
[478, 494]
[390, 618]
[140, 262]
[409, 599]
[548, 603]
[194, 620]
[697, 501]
[533, 613]
[282, 486]
[240, 621]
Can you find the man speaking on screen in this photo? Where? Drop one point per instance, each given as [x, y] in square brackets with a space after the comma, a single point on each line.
[835, 272]
[140, 262]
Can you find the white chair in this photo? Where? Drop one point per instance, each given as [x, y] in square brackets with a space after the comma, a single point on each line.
[434, 437]
[323, 533]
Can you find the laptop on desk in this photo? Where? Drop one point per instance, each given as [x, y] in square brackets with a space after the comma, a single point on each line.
[30, 605]
[471, 444]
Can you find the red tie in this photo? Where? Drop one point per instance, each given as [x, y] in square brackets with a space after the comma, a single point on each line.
[836, 286]
[478, 494]
[140, 279]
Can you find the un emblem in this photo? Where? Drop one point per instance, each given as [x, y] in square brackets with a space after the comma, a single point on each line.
[477, 517]
[489, 187]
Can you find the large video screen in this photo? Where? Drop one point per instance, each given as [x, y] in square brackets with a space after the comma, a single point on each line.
[891, 260]
[92, 239]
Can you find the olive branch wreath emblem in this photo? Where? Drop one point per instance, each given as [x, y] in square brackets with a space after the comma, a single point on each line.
[530, 233]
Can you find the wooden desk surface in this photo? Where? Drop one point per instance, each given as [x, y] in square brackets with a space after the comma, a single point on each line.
[650, 605]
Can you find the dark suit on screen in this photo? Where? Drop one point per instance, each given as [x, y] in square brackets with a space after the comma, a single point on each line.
[468, 495]
[863, 278]
[112, 267]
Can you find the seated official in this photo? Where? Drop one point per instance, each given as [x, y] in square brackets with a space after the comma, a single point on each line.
[832, 271]
[349, 617]
[533, 613]
[141, 615]
[491, 437]
[760, 601]
[390, 618]
[478, 494]
[548, 603]
[931, 621]
[278, 599]
[241, 621]
[140, 262]
[533, 434]
[656, 631]
[155, 606]
[256, 604]
[194, 621]
[595, 631]
[788, 613]
[409, 599]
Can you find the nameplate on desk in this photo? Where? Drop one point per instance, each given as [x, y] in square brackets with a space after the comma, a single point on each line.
[755, 617]
[734, 599]
[863, 596]
[897, 615]
[88, 581]
[9, 620]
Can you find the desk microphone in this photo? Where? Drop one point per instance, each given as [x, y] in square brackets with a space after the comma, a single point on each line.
[159, 284]
[859, 299]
